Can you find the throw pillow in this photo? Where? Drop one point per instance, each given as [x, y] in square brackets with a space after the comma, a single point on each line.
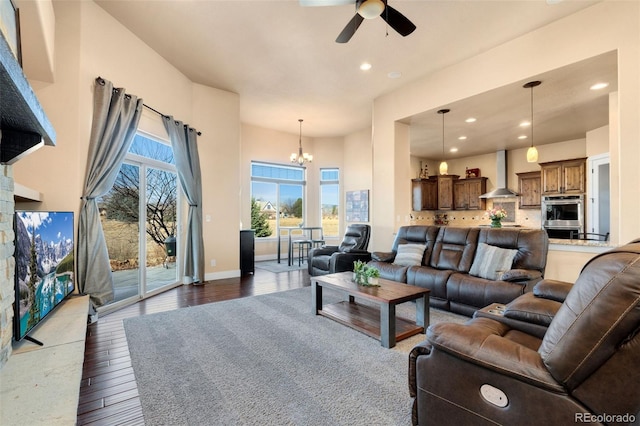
[491, 261]
[409, 254]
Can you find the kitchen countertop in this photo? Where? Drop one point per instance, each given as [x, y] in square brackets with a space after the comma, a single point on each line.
[560, 244]
[589, 243]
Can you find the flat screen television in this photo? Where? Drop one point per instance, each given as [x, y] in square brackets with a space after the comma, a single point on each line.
[44, 266]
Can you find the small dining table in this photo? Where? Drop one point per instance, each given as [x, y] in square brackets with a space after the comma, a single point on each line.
[288, 230]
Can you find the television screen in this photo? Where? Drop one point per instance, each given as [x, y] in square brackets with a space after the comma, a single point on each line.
[44, 265]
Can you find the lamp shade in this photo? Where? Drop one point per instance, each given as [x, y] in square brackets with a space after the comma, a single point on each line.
[444, 168]
[370, 9]
[532, 155]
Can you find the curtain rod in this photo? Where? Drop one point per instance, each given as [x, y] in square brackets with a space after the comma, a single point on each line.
[161, 114]
[101, 81]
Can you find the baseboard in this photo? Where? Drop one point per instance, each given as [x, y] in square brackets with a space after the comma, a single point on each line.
[222, 275]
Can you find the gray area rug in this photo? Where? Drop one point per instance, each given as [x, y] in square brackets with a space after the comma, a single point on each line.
[274, 266]
[268, 360]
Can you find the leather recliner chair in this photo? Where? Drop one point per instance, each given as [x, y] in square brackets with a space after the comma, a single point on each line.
[585, 369]
[332, 259]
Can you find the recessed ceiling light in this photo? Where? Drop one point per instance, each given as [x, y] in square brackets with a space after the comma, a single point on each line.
[470, 120]
[599, 86]
[394, 74]
[365, 66]
[462, 138]
[525, 124]
[522, 137]
[453, 150]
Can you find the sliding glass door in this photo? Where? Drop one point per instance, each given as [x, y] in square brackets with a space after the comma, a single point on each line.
[140, 218]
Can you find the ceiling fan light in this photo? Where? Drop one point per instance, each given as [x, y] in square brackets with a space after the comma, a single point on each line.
[444, 168]
[370, 9]
[532, 155]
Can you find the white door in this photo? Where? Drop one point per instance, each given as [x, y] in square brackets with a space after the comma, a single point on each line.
[598, 192]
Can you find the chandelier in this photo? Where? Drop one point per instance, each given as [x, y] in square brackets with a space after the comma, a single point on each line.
[299, 158]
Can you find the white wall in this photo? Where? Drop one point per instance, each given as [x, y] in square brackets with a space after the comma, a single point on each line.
[598, 141]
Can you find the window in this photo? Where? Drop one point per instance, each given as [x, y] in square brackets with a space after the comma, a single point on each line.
[139, 215]
[277, 197]
[330, 201]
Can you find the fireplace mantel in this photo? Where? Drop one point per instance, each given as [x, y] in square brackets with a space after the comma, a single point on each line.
[24, 127]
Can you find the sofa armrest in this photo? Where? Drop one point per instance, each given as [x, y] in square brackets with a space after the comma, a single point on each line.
[423, 348]
[552, 289]
[323, 251]
[518, 319]
[383, 256]
[341, 262]
[357, 252]
[532, 309]
[518, 275]
[483, 342]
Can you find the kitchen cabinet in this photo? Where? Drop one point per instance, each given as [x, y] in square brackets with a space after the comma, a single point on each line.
[467, 192]
[425, 194]
[530, 188]
[564, 177]
[445, 191]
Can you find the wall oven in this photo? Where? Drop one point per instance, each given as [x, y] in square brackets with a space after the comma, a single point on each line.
[563, 215]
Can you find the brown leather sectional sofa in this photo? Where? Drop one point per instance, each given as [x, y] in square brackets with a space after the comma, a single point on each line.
[448, 259]
[563, 354]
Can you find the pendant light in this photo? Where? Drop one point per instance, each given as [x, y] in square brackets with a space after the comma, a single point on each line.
[299, 158]
[532, 152]
[444, 167]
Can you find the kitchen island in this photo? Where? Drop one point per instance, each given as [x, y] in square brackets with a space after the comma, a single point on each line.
[567, 257]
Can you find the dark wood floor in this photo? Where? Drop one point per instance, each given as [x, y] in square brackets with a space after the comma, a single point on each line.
[108, 391]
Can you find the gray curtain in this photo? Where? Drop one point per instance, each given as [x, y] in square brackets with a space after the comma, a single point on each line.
[185, 149]
[115, 120]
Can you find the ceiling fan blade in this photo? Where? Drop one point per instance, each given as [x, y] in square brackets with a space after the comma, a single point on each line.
[325, 2]
[350, 29]
[397, 21]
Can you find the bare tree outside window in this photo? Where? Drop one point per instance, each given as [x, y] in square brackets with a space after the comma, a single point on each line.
[120, 207]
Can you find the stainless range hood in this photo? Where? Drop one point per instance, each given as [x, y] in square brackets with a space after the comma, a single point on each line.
[501, 179]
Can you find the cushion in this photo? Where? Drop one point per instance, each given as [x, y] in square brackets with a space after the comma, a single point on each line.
[409, 254]
[491, 261]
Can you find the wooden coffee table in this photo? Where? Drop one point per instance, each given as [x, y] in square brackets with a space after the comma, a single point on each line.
[379, 321]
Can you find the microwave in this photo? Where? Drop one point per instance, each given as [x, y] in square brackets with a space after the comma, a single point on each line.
[563, 215]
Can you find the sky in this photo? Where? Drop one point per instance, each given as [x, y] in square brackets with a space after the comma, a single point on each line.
[51, 226]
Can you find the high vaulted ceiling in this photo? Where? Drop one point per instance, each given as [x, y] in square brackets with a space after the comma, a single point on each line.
[283, 61]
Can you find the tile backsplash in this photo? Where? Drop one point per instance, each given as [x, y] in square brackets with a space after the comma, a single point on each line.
[522, 217]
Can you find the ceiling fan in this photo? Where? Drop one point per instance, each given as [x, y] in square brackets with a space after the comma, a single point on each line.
[367, 9]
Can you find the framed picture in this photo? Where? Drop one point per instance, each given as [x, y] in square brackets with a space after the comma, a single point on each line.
[10, 27]
[473, 173]
[357, 209]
